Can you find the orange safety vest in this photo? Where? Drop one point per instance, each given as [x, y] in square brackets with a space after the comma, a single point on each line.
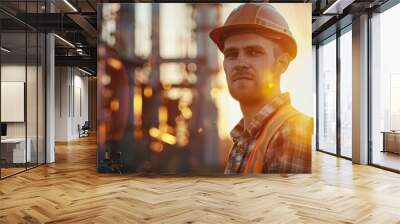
[259, 153]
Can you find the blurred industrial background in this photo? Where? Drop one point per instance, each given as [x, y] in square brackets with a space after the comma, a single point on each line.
[166, 68]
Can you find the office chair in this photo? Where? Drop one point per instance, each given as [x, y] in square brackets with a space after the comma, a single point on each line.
[84, 130]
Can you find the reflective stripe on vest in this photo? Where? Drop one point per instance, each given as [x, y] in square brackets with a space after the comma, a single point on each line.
[259, 152]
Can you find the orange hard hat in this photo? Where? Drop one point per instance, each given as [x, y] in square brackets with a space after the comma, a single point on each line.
[260, 18]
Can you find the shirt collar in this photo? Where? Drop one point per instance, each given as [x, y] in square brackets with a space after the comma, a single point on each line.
[260, 118]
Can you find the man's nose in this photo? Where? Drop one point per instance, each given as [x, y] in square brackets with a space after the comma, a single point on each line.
[242, 63]
[242, 60]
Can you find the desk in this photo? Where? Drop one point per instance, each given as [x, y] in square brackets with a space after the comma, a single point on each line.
[15, 148]
[391, 141]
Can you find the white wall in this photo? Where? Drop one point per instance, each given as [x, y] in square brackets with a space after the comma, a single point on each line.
[81, 83]
[61, 103]
[71, 93]
[16, 73]
[12, 73]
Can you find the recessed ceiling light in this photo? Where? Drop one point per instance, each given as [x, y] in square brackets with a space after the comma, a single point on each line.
[70, 5]
[84, 71]
[338, 6]
[64, 40]
[5, 50]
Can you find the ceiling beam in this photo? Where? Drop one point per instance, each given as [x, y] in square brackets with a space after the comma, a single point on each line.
[84, 24]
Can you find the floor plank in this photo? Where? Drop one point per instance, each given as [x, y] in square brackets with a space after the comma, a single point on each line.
[71, 191]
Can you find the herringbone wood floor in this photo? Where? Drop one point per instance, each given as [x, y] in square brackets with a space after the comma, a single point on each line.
[70, 191]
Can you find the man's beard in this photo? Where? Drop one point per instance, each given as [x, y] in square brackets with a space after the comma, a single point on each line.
[249, 97]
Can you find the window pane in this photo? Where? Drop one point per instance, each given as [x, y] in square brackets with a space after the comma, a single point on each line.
[346, 94]
[327, 97]
[31, 97]
[13, 86]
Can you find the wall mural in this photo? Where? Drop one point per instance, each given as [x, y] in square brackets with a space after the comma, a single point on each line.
[204, 89]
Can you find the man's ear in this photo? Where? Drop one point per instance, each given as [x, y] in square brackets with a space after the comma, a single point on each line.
[282, 63]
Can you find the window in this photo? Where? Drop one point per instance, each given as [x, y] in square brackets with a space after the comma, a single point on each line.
[385, 89]
[22, 77]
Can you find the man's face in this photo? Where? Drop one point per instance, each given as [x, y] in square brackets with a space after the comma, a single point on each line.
[249, 64]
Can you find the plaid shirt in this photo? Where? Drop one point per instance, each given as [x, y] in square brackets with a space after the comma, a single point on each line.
[289, 150]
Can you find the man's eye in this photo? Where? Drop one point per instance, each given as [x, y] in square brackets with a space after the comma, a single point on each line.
[255, 53]
[230, 55]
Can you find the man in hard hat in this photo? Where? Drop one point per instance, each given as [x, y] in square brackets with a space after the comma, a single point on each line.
[272, 136]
